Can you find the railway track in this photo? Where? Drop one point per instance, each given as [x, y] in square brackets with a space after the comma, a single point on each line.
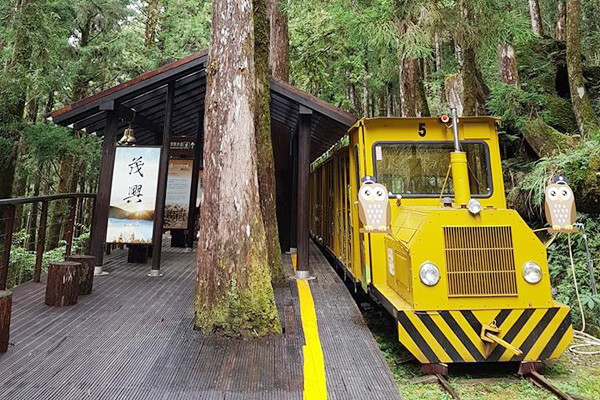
[533, 376]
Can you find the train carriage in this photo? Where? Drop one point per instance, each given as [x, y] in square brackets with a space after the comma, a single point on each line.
[466, 279]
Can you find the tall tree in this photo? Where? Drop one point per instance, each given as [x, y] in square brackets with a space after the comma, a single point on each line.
[508, 64]
[584, 113]
[264, 145]
[536, 17]
[13, 93]
[412, 89]
[506, 53]
[279, 58]
[151, 22]
[561, 21]
[474, 89]
[234, 295]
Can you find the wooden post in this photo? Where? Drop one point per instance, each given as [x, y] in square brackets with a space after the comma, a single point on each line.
[62, 288]
[41, 242]
[302, 269]
[191, 227]
[5, 310]
[8, 235]
[159, 209]
[102, 204]
[88, 249]
[86, 272]
[71, 225]
[294, 194]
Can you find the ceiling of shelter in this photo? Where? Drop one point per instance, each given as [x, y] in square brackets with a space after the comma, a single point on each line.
[141, 102]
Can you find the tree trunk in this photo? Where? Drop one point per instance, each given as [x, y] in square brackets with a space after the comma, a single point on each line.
[76, 168]
[475, 91]
[34, 210]
[264, 145]
[20, 183]
[584, 114]
[453, 91]
[5, 314]
[62, 287]
[151, 23]
[508, 65]
[50, 102]
[438, 53]
[389, 100]
[59, 210]
[536, 18]
[279, 59]
[412, 90]
[234, 295]
[561, 21]
[12, 97]
[365, 94]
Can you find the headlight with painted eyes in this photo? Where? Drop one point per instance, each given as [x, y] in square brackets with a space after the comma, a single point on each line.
[429, 273]
[532, 273]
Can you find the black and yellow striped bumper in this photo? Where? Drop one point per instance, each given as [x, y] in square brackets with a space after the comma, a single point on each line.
[455, 336]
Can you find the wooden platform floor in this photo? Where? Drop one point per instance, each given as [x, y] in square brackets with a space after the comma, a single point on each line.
[132, 338]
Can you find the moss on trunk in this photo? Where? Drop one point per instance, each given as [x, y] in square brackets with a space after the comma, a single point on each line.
[545, 140]
[586, 119]
[264, 145]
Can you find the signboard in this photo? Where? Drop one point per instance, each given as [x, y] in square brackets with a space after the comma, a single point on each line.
[179, 187]
[182, 147]
[133, 195]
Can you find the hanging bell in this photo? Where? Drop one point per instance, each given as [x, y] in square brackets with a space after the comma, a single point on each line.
[128, 138]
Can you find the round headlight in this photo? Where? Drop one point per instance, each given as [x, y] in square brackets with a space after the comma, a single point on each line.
[532, 272]
[474, 206]
[429, 273]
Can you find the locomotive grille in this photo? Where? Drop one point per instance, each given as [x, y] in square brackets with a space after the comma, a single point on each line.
[480, 261]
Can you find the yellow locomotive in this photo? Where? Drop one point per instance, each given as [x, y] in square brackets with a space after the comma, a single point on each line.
[465, 277]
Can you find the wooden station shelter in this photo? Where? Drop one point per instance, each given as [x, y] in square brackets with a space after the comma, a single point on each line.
[166, 106]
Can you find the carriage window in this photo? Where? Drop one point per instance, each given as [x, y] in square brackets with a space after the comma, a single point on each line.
[421, 168]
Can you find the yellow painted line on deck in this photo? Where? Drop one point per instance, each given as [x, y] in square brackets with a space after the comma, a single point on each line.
[314, 364]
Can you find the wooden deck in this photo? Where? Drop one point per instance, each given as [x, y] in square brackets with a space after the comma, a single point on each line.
[132, 338]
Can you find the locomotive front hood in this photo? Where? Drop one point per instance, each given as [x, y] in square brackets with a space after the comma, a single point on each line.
[480, 258]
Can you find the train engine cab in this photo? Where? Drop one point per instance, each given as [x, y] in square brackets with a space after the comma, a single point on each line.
[465, 277]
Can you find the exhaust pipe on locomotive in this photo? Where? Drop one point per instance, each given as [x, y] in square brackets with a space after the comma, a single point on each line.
[460, 170]
[460, 173]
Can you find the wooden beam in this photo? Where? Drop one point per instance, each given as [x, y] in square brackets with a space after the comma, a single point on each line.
[102, 205]
[129, 114]
[198, 146]
[302, 270]
[294, 192]
[159, 209]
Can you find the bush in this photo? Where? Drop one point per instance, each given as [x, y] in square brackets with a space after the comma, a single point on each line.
[22, 261]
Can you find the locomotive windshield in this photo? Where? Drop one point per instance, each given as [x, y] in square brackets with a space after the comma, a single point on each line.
[417, 169]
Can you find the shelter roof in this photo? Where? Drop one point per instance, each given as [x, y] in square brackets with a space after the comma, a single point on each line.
[143, 100]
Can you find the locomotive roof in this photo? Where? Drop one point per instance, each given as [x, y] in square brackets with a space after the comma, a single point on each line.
[369, 121]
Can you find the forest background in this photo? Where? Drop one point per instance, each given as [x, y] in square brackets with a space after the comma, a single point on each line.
[506, 58]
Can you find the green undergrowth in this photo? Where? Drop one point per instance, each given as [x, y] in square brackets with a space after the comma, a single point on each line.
[22, 260]
[573, 374]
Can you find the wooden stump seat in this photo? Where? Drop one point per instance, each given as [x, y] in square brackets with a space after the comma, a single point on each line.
[62, 288]
[86, 274]
[5, 308]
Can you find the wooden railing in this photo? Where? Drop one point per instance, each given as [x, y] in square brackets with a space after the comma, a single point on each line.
[8, 208]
